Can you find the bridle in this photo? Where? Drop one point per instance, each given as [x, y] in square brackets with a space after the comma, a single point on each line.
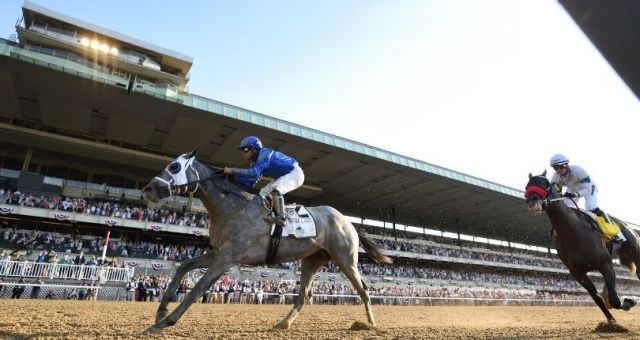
[543, 193]
[179, 189]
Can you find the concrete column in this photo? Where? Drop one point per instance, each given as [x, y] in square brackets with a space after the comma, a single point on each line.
[190, 202]
[458, 231]
[27, 159]
[393, 220]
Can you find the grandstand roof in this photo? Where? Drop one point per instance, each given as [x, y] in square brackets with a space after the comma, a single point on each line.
[614, 29]
[89, 115]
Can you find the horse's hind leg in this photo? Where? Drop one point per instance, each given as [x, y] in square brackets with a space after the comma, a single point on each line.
[310, 266]
[609, 277]
[348, 263]
[591, 288]
[202, 261]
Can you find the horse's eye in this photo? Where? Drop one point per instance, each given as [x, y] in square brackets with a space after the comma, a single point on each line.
[174, 167]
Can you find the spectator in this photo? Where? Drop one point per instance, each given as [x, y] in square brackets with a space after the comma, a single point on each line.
[35, 290]
[131, 290]
[259, 295]
[18, 289]
[73, 295]
[79, 260]
[182, 290]
[82, 292]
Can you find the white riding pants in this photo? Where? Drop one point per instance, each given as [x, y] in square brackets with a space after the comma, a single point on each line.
[286, 183]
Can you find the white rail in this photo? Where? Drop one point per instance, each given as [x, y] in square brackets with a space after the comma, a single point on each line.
[64, 271]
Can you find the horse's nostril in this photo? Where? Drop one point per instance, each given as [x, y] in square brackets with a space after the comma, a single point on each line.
[146, 189]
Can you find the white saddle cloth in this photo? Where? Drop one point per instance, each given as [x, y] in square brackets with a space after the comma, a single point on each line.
[300, 223]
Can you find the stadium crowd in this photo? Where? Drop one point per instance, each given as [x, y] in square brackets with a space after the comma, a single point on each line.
[64, 249]
[164, 249]
[106, 206]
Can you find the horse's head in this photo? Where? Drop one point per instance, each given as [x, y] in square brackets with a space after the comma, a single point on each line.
[177, 178]
[537, 191]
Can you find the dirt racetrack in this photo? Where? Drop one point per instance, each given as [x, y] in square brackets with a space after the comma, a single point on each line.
[126, 320]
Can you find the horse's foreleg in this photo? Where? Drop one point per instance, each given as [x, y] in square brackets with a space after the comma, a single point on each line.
[215, 270]
[591, 288]
[202, 261]
[310, 266]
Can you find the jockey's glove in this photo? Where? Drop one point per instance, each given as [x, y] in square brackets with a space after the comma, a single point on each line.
[571, 194]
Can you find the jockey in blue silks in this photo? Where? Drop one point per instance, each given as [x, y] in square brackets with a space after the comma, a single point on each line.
[285, 171]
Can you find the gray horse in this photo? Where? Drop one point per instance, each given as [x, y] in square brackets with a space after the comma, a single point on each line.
[240, 235]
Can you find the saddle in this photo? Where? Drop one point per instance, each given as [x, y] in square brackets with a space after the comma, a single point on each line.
[299, 224]
[608, 230]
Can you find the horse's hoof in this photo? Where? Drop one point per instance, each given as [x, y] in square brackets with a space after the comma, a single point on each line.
[151, 330]
[628, 303]
[281, 325]
[160, 316]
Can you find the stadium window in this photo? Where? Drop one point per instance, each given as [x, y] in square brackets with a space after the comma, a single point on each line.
[100, 178]
[449, 234]
[466, 237]
[116, 181]
[77, 175]
[432, 232]
[11, 163]
[129, 183]
[58, 171]
[33, 167]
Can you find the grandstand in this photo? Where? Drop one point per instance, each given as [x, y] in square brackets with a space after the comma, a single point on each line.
[76, 149]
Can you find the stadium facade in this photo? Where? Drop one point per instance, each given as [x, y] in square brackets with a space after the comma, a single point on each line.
[88, 112]
[86, 104]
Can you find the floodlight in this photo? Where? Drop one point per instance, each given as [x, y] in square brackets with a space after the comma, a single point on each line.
[84, 41]
[104, 48]
[114, 51]
[95, 44]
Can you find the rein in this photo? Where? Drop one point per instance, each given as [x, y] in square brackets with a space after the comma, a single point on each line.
[550, 200]
[217, 172]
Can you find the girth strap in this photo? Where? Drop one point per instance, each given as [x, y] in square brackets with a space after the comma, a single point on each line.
[274, 243]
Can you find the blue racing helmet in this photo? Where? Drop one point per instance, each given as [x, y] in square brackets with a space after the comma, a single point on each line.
[252, 142]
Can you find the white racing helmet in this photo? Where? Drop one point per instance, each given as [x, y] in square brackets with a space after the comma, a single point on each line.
[559, 160]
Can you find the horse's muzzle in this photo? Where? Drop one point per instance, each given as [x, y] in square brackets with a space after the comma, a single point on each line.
[536, 208]
[154, 191]
[534, 205]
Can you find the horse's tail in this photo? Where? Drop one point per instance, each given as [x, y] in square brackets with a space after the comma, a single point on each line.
[630, 251]
[372, 250]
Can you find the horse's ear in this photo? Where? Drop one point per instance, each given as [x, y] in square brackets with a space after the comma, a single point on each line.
[544, 173]
[530, 175]
[192, 154]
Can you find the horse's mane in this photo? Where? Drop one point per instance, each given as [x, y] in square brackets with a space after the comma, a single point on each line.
[228, 184]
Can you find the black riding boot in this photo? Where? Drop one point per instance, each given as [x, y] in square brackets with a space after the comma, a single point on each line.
[602, 214]
[278, 208]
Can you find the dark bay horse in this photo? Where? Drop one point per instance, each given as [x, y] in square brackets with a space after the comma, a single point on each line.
[240, 235]
[581, 248]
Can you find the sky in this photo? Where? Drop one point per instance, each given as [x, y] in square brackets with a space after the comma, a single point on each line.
[489, 88]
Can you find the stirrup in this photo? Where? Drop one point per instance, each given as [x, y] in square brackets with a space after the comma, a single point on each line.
[266, 203]
[272, 218]
[613, 248]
